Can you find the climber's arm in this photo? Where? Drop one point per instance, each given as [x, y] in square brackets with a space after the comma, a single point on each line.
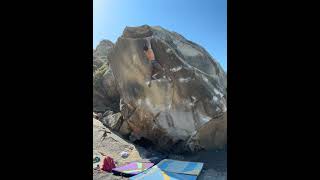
[148, 42]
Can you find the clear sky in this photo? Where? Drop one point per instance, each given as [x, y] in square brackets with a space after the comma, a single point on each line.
[201, 21]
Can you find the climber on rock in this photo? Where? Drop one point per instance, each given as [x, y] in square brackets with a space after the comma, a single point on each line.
[155, 65]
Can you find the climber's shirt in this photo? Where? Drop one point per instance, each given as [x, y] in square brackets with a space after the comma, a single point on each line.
[150, 55]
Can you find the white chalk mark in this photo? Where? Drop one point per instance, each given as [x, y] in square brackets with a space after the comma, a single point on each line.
[148, 102]
[176, 69]
[217, 92]
[205, 79]
[139, 102]
[215, 99]
[204, 118]
[184, 80]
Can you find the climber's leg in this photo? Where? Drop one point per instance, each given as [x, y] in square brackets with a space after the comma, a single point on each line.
[161, 72]
[153, 72]
[157, 71]
[157, 68]
[151, 76]
[156, 65]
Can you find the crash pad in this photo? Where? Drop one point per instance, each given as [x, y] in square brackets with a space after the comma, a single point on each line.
[132, 168]
[171, 169]
[182, 167]
[155, 173]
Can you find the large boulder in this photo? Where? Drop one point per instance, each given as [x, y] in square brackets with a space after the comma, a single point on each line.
[105, 93]
[189, 99]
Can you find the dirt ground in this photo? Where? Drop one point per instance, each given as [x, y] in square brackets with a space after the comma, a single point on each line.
[112, 144]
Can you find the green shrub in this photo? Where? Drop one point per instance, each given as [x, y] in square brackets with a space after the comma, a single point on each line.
[98, 76]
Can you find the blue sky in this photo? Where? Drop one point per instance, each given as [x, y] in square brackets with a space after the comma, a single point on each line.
[201, 21]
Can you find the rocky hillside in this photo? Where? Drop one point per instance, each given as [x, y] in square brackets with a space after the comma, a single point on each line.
[100, 54]
[185, 109]
[105, 93]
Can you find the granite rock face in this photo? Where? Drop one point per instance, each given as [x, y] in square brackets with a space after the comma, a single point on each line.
[185, 109]
[105, 93]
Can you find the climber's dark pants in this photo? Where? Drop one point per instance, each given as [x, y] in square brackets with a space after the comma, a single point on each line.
[156, 68]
